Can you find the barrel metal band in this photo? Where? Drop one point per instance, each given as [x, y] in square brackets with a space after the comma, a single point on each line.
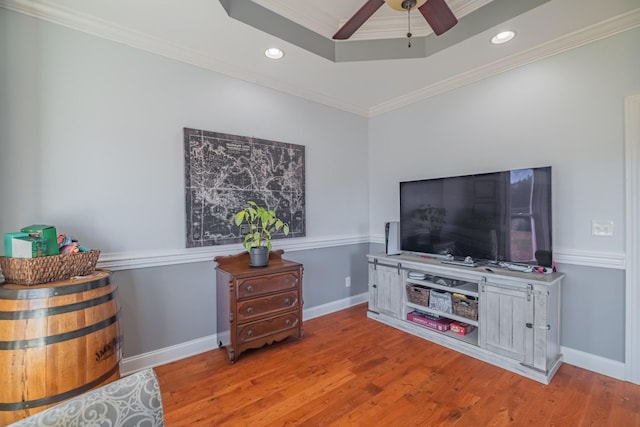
[52, 339]
[36, 403]
[13, 294]
[52, 311]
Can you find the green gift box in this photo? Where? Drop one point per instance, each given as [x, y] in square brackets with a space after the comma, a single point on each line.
[13, 243]
[47, 236]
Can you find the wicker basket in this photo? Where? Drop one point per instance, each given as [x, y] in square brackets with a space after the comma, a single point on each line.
[418, 295]
[33, 271]
[467, 308]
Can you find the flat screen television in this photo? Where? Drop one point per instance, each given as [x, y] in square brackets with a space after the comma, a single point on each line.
[491, 217]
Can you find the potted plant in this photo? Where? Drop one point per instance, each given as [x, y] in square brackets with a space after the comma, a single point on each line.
[261, 222]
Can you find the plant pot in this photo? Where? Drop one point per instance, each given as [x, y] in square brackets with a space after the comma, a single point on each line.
[259, 257]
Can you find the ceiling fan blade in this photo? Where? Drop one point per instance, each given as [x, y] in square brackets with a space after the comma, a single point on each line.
[438, 15]
[356, 21]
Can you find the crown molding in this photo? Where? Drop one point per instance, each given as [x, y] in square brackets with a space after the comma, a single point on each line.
[576, 39]
[50, 12]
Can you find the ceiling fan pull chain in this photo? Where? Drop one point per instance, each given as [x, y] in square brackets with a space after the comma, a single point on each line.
[409, 27]
[408, 5]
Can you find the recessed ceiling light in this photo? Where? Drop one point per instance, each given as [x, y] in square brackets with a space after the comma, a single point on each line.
[503, 37]
[273, 53]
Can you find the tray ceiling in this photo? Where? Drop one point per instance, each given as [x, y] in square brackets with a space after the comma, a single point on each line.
[202, 33]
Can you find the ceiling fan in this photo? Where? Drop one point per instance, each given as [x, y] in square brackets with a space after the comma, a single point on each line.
[436, 12]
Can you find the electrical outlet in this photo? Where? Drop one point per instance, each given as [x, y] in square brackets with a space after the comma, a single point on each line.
[601, 228]
[347, 281]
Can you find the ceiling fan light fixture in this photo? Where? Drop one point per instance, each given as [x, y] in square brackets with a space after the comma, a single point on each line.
[437, 13]
[274, 53]
[503, 37]
[398, 4]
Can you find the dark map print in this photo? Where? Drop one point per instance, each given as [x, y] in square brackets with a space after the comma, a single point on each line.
[223, 172]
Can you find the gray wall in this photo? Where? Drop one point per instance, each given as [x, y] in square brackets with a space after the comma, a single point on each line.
[92, 138]
[593, 314]
[91, 142]
[566, 111]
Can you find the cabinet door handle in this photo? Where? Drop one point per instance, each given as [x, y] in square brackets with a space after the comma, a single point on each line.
[531, 326]
[249, 288]
[250, 310]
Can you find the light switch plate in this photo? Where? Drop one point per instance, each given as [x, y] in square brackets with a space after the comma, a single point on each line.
[601, 227]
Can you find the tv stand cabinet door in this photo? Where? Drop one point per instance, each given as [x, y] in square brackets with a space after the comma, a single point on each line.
[504, 315]
[386, 287]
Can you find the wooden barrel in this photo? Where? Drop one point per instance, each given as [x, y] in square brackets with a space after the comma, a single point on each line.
[57, 340]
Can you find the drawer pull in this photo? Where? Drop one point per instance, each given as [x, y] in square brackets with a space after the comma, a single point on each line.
[250, 333]
[249, 310]
[287, 301]
[249, 288]
[288, 322]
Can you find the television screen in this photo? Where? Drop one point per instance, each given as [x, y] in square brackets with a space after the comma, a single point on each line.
[500, 216]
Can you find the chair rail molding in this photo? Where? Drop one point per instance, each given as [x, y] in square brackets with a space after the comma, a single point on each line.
[115, 261]
[615, 260]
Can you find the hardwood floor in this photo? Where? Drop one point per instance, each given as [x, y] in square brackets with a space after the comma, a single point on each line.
[349, 370]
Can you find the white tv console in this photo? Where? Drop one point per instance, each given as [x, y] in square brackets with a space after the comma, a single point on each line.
[518, 326]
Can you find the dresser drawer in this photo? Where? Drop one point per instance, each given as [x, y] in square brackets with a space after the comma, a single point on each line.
[264, 328]
[255, 286]
[271, 304]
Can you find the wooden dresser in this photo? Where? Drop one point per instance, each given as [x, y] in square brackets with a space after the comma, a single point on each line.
[257, 306]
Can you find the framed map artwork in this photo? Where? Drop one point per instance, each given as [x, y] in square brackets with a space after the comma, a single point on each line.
[223, 172]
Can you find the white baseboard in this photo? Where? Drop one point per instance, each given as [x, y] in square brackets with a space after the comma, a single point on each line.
[591, 362]
[333, 306]
[166, 355]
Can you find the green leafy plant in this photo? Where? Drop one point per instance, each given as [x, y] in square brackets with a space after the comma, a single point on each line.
[261, 222]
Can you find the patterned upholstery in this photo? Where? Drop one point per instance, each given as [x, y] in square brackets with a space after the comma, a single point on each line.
[133, 401]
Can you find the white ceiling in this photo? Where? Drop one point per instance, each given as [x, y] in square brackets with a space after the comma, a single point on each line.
[201, 33]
